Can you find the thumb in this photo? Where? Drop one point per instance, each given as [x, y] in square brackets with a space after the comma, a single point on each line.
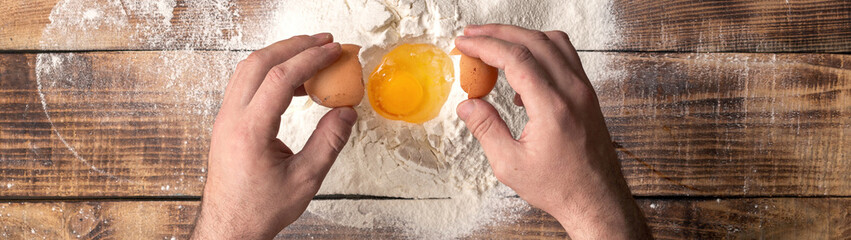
[328, 139]
[487, 126]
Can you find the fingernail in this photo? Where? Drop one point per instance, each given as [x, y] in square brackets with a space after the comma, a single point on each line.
[465, 109]
[462, 37]
[331, 45]
[321, 35]
[348, 115]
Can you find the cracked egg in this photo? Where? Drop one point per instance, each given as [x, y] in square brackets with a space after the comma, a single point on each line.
[411, 83]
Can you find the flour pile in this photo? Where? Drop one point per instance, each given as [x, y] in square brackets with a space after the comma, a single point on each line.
[437, 162]
[438, 159]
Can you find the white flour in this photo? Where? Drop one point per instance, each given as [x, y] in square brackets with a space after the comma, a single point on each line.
[144, 24]
[432, 219]
[181, 91]
[438, 160]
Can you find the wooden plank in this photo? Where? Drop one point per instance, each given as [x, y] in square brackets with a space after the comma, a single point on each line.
[108, 124]
[655, 25]
[727, 115]
[23, 23]
[729, 124]
[759, 218]
[116, 25]
[97, 220]
[130, 123]
[734, 26]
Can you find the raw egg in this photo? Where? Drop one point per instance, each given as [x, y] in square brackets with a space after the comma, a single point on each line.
[477, 78]
[411, 83]
[341, 84]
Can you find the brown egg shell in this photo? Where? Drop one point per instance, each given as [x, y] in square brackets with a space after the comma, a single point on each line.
[341, 84]
[477, 78]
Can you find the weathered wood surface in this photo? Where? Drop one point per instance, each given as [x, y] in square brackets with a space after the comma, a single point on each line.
[726, 124]
[119, 124]
[108, 124]
[734, 26]
[656, 25]
[759, 218]
[730, 124]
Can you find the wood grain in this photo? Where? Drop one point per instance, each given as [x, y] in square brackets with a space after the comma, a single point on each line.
[122, 125]
[759, 218]
[108, 124]
[138, 124]
[653, 25]
[734, 26]
[729, 124]
[97, 220]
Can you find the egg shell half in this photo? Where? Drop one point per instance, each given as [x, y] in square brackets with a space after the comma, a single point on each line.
[341, 84]
[477, 78]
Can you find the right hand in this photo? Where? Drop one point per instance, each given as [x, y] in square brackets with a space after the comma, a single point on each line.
[563, 162]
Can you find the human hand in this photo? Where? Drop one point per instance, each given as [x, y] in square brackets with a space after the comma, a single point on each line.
[256, 185]
[563, 162]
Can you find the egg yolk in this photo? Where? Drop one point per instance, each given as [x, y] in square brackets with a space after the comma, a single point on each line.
[411, 83]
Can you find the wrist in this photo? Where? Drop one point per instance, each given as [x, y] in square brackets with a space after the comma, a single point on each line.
[606, 211]
[604, 219]
[217, 223]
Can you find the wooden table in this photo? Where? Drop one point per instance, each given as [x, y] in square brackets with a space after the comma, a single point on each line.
[732, 120]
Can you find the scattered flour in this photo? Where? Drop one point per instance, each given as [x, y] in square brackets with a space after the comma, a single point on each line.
[423, 219]
[69, 18]
[440, 158]
[91, 14]
[438, 162]
[182, 85]
[143, 24]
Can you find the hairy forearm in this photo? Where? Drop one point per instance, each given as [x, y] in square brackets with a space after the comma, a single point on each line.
[608, 216]
[623, 221]
[214, 225]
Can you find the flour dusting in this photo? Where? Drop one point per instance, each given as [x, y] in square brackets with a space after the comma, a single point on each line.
[144, 24]
[438, 163]
[439, 158]
[423, 219]
[49, 68]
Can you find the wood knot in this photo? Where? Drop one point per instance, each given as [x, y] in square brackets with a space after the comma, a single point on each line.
[83, 220]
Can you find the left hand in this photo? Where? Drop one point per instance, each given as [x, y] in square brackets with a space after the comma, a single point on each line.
[256, 185]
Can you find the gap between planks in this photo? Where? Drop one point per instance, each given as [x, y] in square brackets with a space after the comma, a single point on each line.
[251, 50]
[373, 197]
